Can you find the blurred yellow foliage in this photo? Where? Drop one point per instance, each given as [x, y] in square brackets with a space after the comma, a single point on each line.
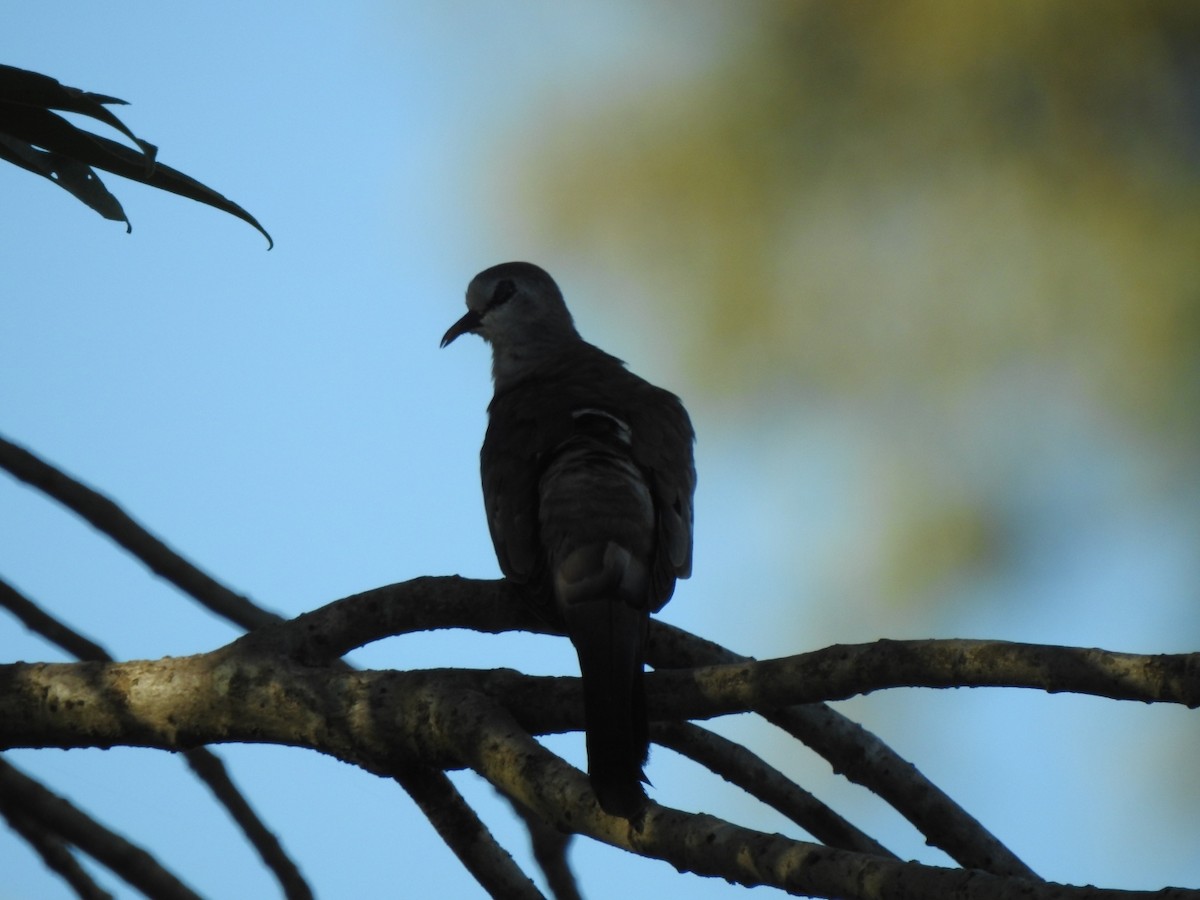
[903, 204]
[848, 194]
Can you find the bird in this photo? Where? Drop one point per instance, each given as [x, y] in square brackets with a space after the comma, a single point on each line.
[588, 481]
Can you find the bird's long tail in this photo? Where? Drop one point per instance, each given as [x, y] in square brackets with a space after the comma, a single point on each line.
[610, 637]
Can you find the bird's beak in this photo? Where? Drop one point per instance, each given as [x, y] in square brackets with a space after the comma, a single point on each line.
[466, 324]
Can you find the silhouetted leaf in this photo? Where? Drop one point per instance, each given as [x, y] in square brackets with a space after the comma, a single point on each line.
[41, 141]
[69, 174]
[32, 89]
[120, 160]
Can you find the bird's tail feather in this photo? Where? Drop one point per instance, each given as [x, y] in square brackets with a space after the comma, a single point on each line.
[609, 636]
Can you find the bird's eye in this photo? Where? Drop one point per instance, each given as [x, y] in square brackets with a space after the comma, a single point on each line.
[503, 292]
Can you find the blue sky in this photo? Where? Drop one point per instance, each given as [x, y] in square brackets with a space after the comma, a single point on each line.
[286, 421]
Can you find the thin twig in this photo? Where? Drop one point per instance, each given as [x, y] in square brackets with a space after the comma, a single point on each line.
[739, 766]
[40, 622]
[210, 769]
[549, 846]
[107, 517]
[55, 853]
[58, 815]
[470, 840]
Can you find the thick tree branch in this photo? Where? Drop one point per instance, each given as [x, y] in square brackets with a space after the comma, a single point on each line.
[59, 704]
[431, 718]
[207, 766]
[843, 671]
[494, 606]
[499, 749]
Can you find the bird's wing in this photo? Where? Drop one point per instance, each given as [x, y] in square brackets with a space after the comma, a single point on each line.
[662, 446]
[522, 432]
[530, 422]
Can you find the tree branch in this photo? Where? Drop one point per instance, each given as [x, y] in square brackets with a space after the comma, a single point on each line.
[848, 670]
[491, 606]
[127, 860]
[464, 833]
[735, 683]
[40, 622]
[499, 749]
[432, 718]
[550, 847]
[47, 702]
[864, 759]
[207, 766]
[55, 853]
[428, 603]
[210, 769]
[739, 766]
[107, 517]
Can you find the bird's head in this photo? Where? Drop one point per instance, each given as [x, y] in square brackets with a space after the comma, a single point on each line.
[517, 308]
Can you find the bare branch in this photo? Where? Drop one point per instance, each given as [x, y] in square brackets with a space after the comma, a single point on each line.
[493, 606]
[146, 701]
[550, 847]
[370, 719]
[464, 833]
[498, 748]
[40, 622]
[211, 770]
[864, 759]
[207, 766]
[243, 692]
[55, 853]
[127, 860]
[739, 766]
[110, 519]
[736, 683]
[428, 603]
[848, 670]
[440, 718]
